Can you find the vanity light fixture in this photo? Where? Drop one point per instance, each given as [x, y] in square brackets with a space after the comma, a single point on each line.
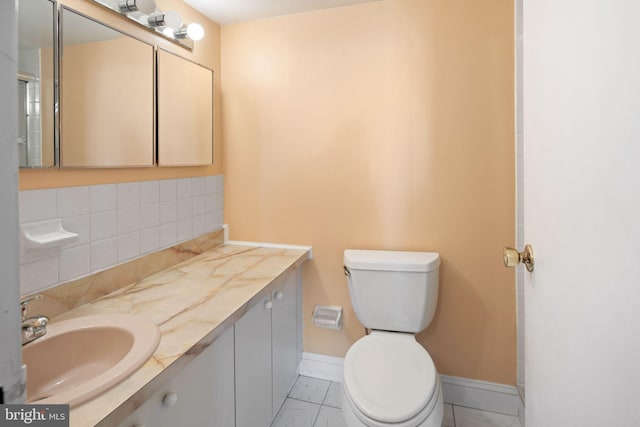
[165, 23]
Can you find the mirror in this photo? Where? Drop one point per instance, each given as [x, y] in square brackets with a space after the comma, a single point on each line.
[185, 112]
[106, 96]
[36, 56]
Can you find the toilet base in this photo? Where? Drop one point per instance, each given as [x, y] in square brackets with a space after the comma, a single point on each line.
[433, 419]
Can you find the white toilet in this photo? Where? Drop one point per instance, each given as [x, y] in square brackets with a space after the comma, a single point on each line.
[390, 379]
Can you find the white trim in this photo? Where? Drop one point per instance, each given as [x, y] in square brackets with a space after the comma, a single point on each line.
[483, 395]
[521, 409]
[225, 230]
[321, 366]
[272, 245]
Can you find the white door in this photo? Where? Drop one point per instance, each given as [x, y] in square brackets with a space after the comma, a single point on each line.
[582, 212]
[10, 359]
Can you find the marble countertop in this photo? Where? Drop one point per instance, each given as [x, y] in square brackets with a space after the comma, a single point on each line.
[192, 303]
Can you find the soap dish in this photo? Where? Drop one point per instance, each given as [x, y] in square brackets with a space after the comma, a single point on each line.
[43, 235]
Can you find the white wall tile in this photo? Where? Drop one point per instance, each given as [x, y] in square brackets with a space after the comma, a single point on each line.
[103, 198]
[104, 225]
[198, 186]
[103, 254]
[149, 192]
[185, 208]
[38, 205]
[199, 225]
[219, 183]
[199, 205]
[210, 184]
[210, 203]
[185, 229]
[116, 222]
[149, 239]
[81, 225]
[38, 275]
[168, 190]
[210, 220]
[73, 201]
[184, 188]
[168, 234]
[149, 215]
[128, 194]
[75, 262]
[168, 212]
[128, 220]
[128, 246]
[219, 201]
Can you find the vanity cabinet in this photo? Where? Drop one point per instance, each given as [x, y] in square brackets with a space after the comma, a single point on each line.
[201, 394]
[244, 377]
[266, 339]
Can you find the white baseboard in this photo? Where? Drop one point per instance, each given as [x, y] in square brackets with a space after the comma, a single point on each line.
[321, 366]
[483, 395]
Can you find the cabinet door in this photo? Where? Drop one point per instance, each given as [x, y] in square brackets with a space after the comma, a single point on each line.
[253, 367]
[284, 340]
[203, 392]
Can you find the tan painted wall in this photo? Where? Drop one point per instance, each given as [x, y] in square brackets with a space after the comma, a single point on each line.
[206, 52]
[386, 125]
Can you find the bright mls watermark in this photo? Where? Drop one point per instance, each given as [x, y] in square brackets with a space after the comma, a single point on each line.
[34, 415]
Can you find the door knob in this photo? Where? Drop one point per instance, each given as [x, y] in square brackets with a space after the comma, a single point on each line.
[512, 257]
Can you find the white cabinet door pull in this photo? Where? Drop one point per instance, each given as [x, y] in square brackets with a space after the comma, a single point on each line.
[169, 399]
[279, 295]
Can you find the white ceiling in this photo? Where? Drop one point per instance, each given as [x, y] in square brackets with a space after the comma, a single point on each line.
[233, 11]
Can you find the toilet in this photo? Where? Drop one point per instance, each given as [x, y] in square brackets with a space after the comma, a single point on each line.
[389, 378]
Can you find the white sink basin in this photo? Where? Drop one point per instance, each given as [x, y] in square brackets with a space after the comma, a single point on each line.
[80, 358]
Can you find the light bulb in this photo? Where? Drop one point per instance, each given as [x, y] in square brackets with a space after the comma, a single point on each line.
[195, 31]
[173, 20]
[146, 6]
[168, 31]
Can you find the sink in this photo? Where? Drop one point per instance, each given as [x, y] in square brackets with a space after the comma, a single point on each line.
[82, 357]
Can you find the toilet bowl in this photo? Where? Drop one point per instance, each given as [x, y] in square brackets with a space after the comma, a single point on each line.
[389, 378]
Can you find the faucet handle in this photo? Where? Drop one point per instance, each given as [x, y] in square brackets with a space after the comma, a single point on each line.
[24, 303]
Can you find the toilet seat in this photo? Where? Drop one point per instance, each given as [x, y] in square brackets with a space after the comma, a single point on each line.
[389, 379]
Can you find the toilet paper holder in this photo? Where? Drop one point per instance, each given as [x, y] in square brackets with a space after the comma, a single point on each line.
[327, 316]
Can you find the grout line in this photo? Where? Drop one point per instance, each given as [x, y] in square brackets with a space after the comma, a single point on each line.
[326, 393]
[453, 413]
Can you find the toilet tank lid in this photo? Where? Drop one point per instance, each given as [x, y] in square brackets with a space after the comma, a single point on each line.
[391, 260]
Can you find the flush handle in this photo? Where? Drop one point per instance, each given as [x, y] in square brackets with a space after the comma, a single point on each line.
[512, 257]
[346, 271]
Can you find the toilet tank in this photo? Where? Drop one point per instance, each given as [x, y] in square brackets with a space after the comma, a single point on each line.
[391, 290]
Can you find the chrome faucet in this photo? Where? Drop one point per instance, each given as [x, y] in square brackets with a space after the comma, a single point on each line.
[32, 327]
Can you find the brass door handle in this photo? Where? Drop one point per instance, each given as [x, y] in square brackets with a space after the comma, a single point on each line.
[512, 257]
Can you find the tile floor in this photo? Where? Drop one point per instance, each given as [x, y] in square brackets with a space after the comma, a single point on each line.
[316, 403]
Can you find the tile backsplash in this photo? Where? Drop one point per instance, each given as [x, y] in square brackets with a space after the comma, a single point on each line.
[116, 223]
